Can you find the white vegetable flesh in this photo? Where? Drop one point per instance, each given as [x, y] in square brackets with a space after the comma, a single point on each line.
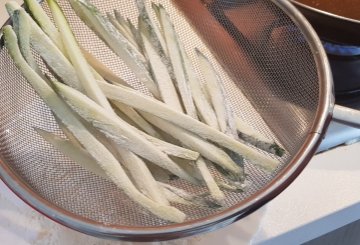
[118, 130]
[147, 104]
[116, 41]
[72, 48]
[102, 156]
[173, 49]
[166, 87]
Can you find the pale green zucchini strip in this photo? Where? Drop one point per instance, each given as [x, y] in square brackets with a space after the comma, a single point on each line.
[216, 94]
[121, 20]
[105, 72]
[45, 23]
[166, 87]
[147, 104]
[142, 176]
[84, 159]
[102, 156]
[116, 41]
[11, 6]
[74, 151]
[135, 32]
[253, 137]
[44, 46]
[72, 48]
[123, 30]
[172, 42]
[197, 200]
[205, 148]
[23, 31]
[70, 136]
[156, 37]
[207, 113]
[210, 182]
[118, 130]
[137, 119]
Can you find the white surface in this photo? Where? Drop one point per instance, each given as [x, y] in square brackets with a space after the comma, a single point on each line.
[21, 225]
[323, 198]
[338, 134]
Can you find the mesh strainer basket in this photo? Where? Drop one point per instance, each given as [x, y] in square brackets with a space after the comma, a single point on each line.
[276, 77]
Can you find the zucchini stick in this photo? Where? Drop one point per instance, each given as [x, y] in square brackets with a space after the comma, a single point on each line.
[233, 186]
[155, 36]
[105, 72]
[171, 149]
[123, 30]
[203, 106]
[196, 200]
[206, 113]
[135, 32]
[45, 23]
[116, 41]
[142, 176]
[147, 104]
[205, 148]
[164, 146]
[121, 20]
[156, 10]
[173, 198]
[23, 31]
[49, 52]
[214, 189]
[166, 87]
[137, 119]
[63, 68]
[102, 156]
[253, 137]
[72, 48]
[67, 132]
[215, 91]
[84, 159]
[74, 151]
[118, 130]
[11, 6]
[173, 49]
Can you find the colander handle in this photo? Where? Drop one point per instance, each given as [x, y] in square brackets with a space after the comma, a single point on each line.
[347, 116]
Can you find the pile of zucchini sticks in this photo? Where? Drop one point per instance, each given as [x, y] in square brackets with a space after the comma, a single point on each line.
[185, 130]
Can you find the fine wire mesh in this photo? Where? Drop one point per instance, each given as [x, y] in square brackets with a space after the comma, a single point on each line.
[270, 78]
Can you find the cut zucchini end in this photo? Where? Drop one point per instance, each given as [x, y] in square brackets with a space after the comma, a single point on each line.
[277, 150]
[11, 6]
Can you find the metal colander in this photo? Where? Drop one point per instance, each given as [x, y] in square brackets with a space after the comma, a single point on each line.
[276, 78]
